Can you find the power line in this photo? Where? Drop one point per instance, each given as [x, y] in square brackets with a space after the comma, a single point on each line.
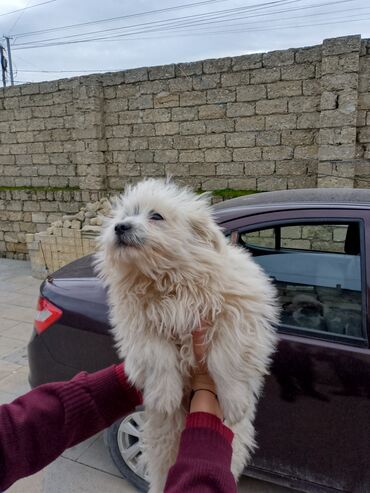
[111, 19]
[178, 23]
[26, 8]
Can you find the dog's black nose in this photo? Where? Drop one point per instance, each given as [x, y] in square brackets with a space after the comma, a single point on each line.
[121, 228]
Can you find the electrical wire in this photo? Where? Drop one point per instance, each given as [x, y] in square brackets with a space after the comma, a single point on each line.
[26, 8]
[169, 26]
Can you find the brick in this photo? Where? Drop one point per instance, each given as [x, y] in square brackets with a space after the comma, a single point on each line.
[304, 104]
[168, 128]
[192, 128]
[204, 82]
[335, 136]
[166, 100]
[212, 141]
[140, 102]
[247, 62]
[339, 82]
[218, 155]
[306, 152]
[235, 79]
[241, 139]
[247, 154]
[144, 156]
[214, 183]
[308, 120]
[167, 156]
[221, 95]
[212, 111]
[267, 138]
[152, 169]
[251, 93]
[219, 126]
[298, 72]
[126, 117]
[240, 109]
[335, 152]
[280, 122]
[185, 142]
[136, 75]
[310, 54]
[192, 98]
[265, 75]
[291, 167]
[143, 130]
[340, 64]
[278, 58]
[138, 143]
[192, 156]
[271, 183]
[250, 123]
[284, 88]
[269, 106]
[176, 169]
[229, 169]
[180, 84]
[201, 169]
[157, 115]
[184, 114]
[329, 100]
[277, 153]
[259, 168]
[160, 142]
[242, 183]
[297, 137]
[162, 72]
[337, 118]
[119, 144]
[337, 46]
[216, 65]
[187, 69]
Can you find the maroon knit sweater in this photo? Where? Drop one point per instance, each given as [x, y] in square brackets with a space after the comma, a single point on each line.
[72, 411]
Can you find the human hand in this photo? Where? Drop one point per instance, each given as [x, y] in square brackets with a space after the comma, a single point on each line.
[204, 393]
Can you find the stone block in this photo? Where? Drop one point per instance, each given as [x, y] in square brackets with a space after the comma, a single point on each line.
[166, 100]
[212, 141]
[204, 82]
[152, 169]
[187, 69]
[242, 183]
[278, 58]
[250, 123]
[277, 153]
[336, 152]
[185, 142]
[241, 139]
[281, 122]
[267, 138]
[270, 183]
[168, 128]
[265, 75]
[176, 169]
[235, 169]
[220, 126]
[212, 111]
[202, 169]
[138, 143]
[337, 118]
[310, 54]
[292, 167]
[247, 154]
[184, 114]
[298, 72]
[234, 79]
[338, 46]
[156, 115]
[304, 104]
[162, 72]
[193, 98]
[221, 95]
[340, 64]
[339, 82]
[306, 152]
[338, 136]
[192, 128]
[127, 117]
[181, 84]
[298, 137]
[308, 120]
[143, 130]
[166, 156]
[271, 106]
[247, 62]
[218, 155]
[192, 156]
[240, 109]
[216, 65]
[251, 93]
[141, 102]
[284, 88]
[144, 156]
[136, 75]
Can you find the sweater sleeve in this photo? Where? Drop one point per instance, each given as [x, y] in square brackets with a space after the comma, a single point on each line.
[204, 458]
[38, 426]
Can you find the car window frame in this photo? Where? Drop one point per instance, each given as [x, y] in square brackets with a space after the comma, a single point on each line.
[335, 219]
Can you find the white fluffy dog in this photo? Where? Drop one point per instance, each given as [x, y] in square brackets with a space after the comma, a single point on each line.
[168, 266]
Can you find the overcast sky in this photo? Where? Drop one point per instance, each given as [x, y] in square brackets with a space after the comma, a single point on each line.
[165, 31]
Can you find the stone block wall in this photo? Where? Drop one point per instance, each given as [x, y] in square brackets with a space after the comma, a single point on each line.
[286, 119]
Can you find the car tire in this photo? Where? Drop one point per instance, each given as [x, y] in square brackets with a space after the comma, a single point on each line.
[124, 444]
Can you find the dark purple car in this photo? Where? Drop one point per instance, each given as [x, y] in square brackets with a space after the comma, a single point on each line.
[313, 421]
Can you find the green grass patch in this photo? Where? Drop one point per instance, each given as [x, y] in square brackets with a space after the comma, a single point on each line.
[42, 189]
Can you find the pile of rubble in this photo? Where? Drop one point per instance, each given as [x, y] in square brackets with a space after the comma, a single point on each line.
[89, 219]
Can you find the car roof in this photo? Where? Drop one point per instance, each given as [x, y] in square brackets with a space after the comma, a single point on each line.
[292, 199]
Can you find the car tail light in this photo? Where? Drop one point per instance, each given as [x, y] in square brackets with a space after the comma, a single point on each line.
[46, 314]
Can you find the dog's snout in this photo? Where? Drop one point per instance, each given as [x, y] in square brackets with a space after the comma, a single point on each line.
[121, 228]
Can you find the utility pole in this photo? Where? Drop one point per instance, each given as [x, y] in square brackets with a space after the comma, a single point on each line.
[3, 64]
[9, 60]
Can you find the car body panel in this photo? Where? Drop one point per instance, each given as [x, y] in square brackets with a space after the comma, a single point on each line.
[313, 426]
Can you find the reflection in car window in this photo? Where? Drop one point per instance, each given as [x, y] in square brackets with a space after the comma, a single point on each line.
[317, 270]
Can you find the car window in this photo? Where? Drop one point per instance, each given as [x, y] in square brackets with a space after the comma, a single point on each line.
[317, 271]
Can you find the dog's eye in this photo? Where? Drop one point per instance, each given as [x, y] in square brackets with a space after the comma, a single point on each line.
[155, 216]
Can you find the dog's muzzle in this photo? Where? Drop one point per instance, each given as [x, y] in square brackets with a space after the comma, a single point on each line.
[125, 234]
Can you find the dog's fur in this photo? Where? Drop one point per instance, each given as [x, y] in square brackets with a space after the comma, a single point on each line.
[163, 277]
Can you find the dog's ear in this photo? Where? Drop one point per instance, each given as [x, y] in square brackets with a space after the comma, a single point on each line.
[208, 231]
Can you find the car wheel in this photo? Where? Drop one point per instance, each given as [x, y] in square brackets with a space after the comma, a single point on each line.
[124, 443]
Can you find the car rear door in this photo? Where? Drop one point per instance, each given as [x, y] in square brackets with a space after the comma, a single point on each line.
[313, 421]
